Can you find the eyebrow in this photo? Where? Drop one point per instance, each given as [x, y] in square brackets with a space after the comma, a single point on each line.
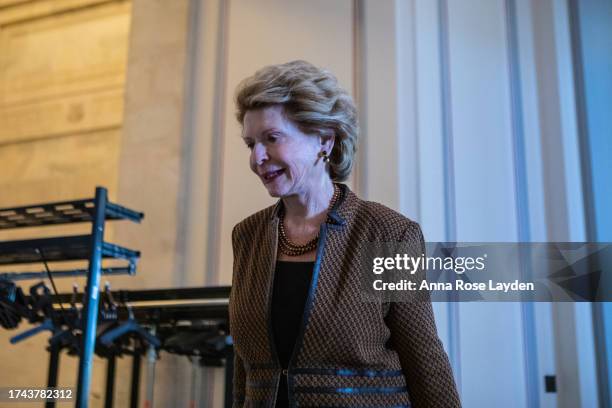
[271, 130]
[264, 133]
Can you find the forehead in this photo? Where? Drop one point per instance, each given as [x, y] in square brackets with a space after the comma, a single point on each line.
[257, 121]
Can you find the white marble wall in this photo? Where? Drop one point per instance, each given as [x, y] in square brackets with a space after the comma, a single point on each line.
[460, 105]
[448, 91]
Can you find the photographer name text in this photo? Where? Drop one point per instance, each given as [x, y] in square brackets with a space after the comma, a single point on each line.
[408, 285]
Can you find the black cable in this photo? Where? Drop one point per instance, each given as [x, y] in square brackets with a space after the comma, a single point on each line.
[44, 261]
[77, 345]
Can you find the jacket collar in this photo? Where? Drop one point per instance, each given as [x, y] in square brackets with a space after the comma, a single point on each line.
[336, 215]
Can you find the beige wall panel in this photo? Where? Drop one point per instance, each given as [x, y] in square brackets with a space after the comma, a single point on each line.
[6, 3]
[57, 164]
[269, 32]
[156, 235]
[65, 54]
[151, 161]
[67, 115]
[22, 10]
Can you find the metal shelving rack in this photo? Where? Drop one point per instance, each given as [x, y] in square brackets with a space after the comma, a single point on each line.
[83, 247]
[204, 307]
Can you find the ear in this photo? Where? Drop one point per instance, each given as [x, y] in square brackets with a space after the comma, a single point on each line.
[327, 140]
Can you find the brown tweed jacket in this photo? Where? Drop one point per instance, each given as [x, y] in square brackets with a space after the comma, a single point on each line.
[349, 353]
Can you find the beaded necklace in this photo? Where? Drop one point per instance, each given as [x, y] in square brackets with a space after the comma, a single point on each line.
[291, 249]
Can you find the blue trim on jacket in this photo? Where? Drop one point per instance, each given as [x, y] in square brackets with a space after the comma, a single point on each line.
[349, 372]
[350, 390]
[357, 406]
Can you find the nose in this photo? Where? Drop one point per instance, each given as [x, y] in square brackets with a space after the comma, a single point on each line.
[259, 154]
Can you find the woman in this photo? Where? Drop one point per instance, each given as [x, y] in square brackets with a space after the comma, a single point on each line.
[302, 335]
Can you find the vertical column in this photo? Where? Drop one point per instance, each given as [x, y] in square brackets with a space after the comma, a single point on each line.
[152, 159]
[528, 311]
[135, 388]
[591, 23]
[481, 193]
[54, 355]
[110, 381]
[90, 311]
[379, 104]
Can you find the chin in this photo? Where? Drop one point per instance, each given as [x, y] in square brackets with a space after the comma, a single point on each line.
[277, 191]
[274, 191]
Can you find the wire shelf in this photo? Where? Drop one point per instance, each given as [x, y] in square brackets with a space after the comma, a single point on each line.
[70, 248]
[64, 212]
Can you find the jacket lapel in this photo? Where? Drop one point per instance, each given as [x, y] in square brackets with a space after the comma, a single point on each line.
[331, 229]
[272, 242]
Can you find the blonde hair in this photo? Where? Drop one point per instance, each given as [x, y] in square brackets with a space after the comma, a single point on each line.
[312, 99]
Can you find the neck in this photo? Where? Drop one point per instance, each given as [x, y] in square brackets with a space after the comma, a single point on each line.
[310, 203]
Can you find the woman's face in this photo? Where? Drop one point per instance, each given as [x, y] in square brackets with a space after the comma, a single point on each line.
[285, 159]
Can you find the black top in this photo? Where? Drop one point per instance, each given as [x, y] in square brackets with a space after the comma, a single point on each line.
[291, 284]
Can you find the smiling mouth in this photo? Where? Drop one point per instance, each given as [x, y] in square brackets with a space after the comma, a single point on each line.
[272, 175]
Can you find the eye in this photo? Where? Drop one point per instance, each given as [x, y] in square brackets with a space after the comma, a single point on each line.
[272, 138]
[249, 144]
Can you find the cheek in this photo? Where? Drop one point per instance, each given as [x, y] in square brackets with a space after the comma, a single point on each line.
[301, 156]
[252, 164]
